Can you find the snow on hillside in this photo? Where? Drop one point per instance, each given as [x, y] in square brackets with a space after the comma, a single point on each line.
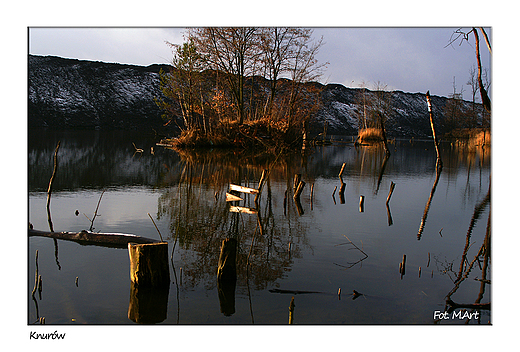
[72, 93]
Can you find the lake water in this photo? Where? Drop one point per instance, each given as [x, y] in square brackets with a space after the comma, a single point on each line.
[311, 250]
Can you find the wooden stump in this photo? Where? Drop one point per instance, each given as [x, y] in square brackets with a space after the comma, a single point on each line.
[149, 264]
[148, 305]
[227, 266]
[226, 296]
[227, 276]
[299, 189]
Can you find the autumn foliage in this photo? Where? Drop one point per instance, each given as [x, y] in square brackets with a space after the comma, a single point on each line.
[242, 87]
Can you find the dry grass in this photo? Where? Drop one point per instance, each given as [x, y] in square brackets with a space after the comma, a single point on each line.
[370, 135]
[251, 134]
[474, 136]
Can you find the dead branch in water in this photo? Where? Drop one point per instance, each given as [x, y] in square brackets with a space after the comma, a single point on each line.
[95, 212]
[49, 189]
[438, 171]
[137, 150]
[454, 305]
[36, 277]
[356, 247]
[117, 240]
[156, 227]
[435, 140]
[392, 186]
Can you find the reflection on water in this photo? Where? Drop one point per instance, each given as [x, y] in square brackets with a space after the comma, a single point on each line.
[321, 243]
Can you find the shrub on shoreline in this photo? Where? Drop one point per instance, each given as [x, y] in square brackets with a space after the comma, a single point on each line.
[369, 135]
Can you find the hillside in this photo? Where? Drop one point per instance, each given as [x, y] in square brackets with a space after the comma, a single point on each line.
[70, 93]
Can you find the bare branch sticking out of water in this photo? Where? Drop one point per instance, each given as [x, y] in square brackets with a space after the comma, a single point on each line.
[355, 247]
[95, 212]
[156, 227]
[137, 150]
[49, 190]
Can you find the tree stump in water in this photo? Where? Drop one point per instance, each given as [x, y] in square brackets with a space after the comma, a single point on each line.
[148, 305]
[227, 266]
[149, 264]
[227, 276]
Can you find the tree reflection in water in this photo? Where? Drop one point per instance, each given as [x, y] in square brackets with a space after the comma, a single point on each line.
[199, 217]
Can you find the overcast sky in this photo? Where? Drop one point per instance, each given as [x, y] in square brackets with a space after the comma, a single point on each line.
[411, 59]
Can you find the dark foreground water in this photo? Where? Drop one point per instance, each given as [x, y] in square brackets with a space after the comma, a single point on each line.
[310, 250]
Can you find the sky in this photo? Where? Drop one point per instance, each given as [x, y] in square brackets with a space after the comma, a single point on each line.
[411, 59]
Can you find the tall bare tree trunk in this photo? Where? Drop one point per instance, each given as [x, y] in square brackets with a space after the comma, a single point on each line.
[485, 98]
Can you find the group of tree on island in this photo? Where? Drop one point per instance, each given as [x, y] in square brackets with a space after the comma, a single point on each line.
[242, 85]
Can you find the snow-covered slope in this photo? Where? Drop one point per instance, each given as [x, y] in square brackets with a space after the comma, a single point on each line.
[74, 93]
[70, 93]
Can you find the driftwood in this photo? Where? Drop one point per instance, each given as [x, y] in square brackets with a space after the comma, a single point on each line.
[118, 240]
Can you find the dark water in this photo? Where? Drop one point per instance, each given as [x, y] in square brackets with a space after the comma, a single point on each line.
[307, 251]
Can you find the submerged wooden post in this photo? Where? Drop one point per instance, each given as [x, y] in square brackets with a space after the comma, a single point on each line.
[148, 305]
[296, 197]
[149, 264]
[227, 266]
[342, 168]
[402, 266]
[260, 184]
[299, 189]
[297, 178]
[392, 186]
[291, 311]
[342, 191]
[439, 160]
[227, 276]
[312, 194]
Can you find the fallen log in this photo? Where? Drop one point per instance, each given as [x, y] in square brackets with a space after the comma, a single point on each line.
[118, 240]
[453, 305]
[293, 292]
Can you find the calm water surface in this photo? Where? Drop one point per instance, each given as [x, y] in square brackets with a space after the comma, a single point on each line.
[308, 251]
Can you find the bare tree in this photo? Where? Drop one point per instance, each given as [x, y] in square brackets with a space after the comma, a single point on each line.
[277, 45]
[303, 67]
[236, 56]
[461, 35]
[231, 51]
